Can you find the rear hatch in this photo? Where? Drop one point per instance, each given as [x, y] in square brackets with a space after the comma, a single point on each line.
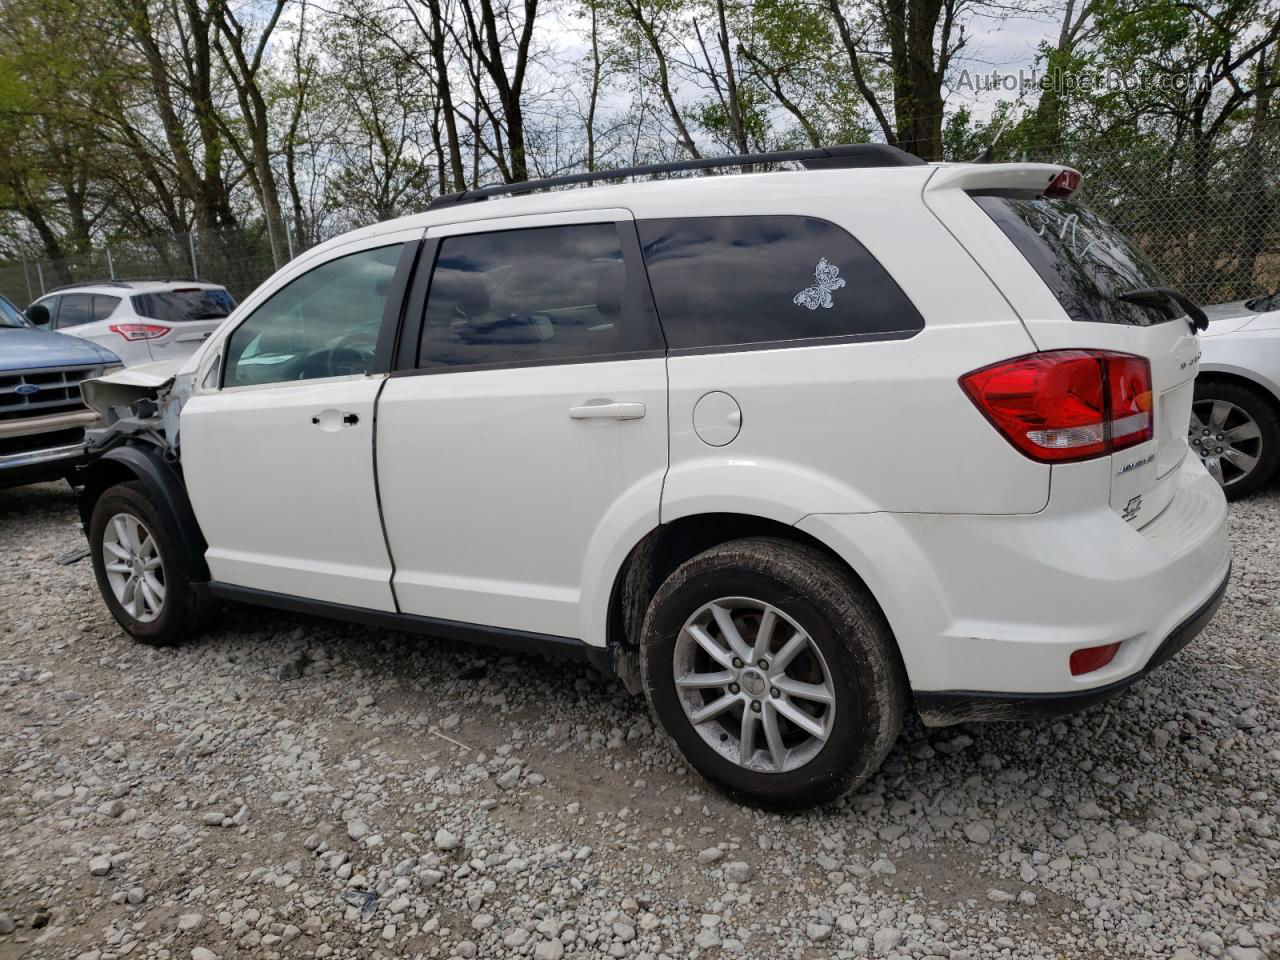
[1086, 265]
[192, 313]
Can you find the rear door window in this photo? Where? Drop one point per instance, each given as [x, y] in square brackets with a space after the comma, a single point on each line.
[1086, 262]
[75, 309]
[193, 303]
[723, 282]
[537, 295]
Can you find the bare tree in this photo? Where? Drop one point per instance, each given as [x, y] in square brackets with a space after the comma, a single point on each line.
[242, 57]
[494, 31]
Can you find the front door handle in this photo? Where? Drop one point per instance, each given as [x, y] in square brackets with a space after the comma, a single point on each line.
[330, 420]
[607, 410]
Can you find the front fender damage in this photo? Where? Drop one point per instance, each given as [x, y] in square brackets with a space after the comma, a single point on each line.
[140, 403]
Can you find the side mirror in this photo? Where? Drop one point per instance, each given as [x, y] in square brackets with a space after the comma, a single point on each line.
[38, 314]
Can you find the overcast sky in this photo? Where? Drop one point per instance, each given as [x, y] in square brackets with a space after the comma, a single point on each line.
[1007, 44]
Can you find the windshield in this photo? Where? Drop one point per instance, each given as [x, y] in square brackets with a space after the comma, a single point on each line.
[11, 316]
[192, 303]
[1085, 261]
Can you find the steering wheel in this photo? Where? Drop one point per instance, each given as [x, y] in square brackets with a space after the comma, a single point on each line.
[350, 355]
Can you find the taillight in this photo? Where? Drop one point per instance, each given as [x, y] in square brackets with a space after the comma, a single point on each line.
[1065, 405]
[138, 331]
[1129, 391]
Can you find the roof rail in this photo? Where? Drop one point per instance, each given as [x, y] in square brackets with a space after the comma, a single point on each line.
[126, 282]
[843, 155]
[90, 283]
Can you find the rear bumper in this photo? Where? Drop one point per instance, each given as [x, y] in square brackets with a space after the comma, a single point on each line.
[942, 708]
[993, 606]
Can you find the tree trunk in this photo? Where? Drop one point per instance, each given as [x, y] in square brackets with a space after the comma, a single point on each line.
[917, 84]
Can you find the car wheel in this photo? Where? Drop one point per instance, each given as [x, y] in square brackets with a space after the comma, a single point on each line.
[1236, 433]
[774, 671]
[138, 571]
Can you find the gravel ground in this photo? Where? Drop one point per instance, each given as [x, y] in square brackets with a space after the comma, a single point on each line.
[290, 787]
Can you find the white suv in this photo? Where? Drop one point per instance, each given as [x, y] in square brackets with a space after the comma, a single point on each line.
[140, 321]
[790, 452]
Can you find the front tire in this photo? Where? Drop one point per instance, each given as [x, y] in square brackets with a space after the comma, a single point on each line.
[774, 671]
[136, 565]
[1235, 431]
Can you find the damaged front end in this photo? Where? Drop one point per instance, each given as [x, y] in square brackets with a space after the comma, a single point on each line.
[137, 404]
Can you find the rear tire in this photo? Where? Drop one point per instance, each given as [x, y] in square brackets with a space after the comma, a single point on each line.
[138, 570]
[821, 699]
[1252, 418]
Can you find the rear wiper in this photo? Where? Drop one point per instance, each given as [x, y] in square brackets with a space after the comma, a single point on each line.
[1263, 303]
[1168, 300]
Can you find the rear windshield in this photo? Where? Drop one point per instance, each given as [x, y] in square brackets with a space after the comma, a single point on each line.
[194, 303]
[1085, 261]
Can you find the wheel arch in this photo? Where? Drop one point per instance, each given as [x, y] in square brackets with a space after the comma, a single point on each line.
[1213, 373]
[164, 486]
[664, 548]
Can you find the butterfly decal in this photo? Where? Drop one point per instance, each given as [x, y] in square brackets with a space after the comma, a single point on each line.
[827, 279]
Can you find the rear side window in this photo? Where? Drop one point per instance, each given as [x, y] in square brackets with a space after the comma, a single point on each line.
[536, 295]
[1085, 261]
[75, 309]
[734, 281]
[192, 303]
[104, 306]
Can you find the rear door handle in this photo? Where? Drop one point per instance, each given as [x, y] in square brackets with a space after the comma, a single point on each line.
[607, 410]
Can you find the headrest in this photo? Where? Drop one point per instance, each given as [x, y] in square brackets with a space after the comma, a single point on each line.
[461, 289]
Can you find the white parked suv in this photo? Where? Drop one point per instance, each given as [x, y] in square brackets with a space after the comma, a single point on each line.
[790, 452]
[140, 321]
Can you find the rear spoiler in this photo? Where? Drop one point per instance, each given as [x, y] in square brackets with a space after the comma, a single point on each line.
[1022, 180]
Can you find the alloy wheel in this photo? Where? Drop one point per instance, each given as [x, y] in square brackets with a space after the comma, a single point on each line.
[134, 567]
[1226, 438]
[754, 685]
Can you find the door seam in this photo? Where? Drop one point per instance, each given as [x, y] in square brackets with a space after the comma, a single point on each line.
[377, 494]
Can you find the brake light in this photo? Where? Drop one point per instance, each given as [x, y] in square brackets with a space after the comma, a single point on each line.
[1129, 391]
[1090, 659]
[138, 331]
[1063, 184]
[1066, 405]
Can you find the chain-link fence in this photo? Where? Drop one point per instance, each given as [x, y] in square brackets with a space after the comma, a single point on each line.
[239, 258]
[1213, 228]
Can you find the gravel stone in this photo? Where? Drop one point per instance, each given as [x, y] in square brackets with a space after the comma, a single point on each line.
[710, 855]
[818, 932]
[738, 871]
[346, 820]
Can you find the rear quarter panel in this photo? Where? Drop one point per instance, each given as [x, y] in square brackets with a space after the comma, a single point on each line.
[855, 427]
